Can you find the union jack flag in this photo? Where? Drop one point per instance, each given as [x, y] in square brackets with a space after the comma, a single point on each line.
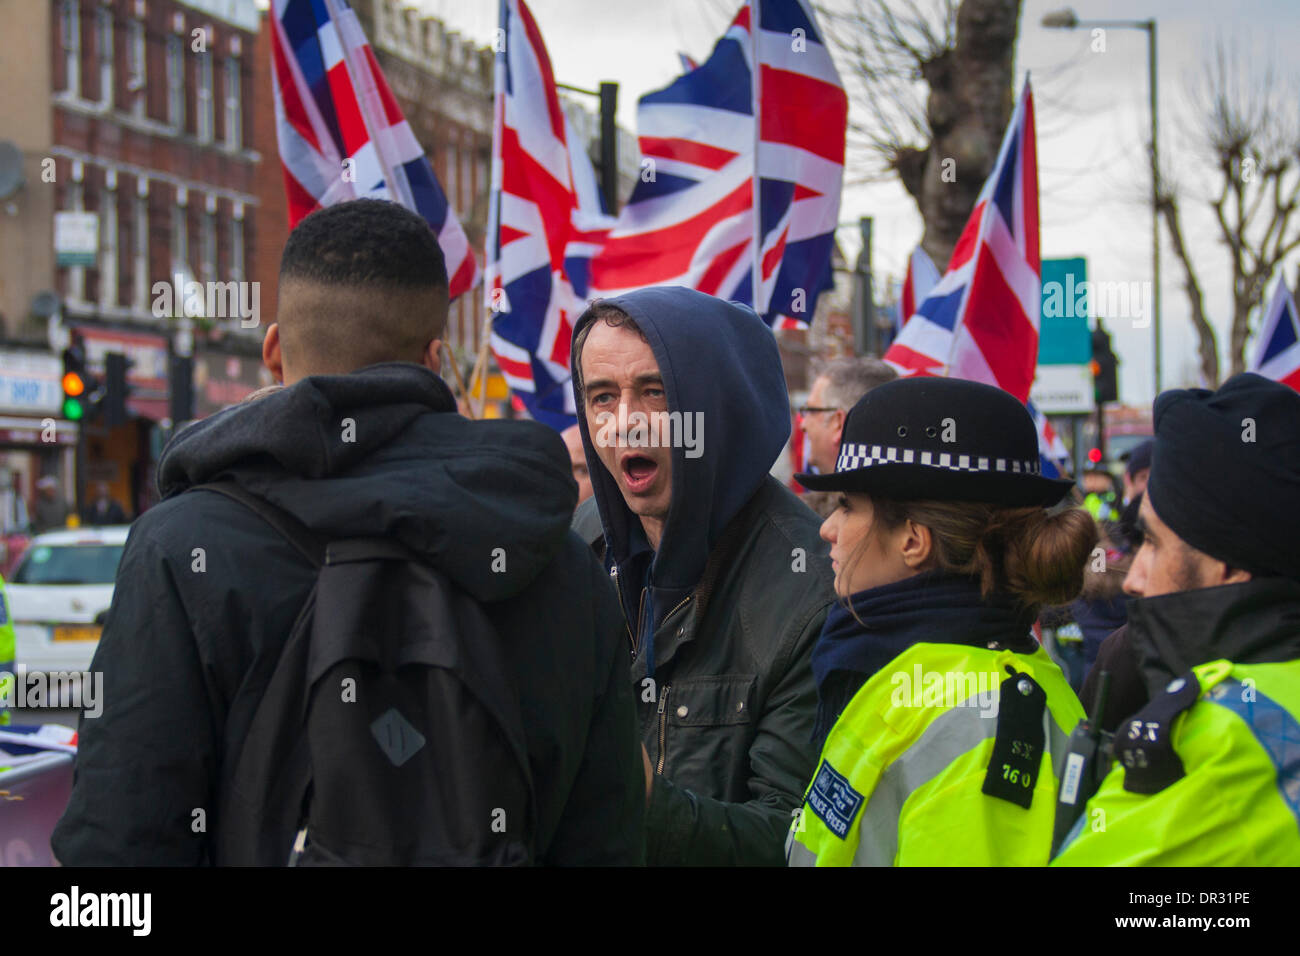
[980, 321]
[341, 133]
[1278, 355]
[721, 146]
[690, 220]
[544, 223]
[921, 277]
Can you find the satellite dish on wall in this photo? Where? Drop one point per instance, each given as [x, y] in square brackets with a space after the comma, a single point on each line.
[11, 169]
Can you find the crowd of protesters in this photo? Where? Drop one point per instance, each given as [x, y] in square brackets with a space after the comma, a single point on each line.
[702, 668]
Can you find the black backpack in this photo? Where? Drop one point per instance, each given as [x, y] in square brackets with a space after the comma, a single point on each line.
[389, 733]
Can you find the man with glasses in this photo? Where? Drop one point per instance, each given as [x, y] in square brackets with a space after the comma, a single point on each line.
[837, 389]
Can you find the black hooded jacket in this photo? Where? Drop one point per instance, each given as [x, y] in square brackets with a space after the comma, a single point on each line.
[734, 597]
[189, 644]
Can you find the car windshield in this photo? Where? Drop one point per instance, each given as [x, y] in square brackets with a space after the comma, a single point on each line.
[69, 564]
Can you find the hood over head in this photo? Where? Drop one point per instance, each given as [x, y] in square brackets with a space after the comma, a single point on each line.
[720, 365]
[383, 452]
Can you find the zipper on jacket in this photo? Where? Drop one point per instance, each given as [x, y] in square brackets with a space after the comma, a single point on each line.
[619, 588]
[663, 727]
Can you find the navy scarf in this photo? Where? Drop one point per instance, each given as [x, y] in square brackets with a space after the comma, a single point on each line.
[934, 607]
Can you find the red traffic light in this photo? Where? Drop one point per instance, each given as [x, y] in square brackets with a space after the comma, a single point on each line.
[1094, 455]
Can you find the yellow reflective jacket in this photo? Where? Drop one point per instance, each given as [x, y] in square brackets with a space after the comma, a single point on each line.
[902, 775]
[1238, 802]
[7, 653]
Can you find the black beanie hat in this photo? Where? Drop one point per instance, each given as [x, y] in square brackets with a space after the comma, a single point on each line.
[1225, 472]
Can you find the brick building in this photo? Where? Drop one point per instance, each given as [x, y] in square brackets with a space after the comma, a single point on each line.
[135, 123]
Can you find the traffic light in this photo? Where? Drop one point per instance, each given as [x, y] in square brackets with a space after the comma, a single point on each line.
[81, 390]
[181, 380]
[1105, 367]
[116, 389]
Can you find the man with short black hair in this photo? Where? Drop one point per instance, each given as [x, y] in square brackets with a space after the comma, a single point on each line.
[838, 387]
[364, 442]
[1206, 772]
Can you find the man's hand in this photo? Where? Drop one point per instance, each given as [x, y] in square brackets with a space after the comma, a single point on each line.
[649, 772]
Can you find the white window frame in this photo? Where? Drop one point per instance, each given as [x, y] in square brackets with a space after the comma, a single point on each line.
[234, 104]
[175, 67]
[70, 38]
[203, 117]
[76, 274]
[104, 54]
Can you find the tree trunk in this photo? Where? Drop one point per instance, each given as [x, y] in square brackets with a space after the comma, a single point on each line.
[968, 110]
[1208, 346]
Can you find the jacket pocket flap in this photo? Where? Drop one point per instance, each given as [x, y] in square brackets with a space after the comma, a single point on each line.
[712, 701]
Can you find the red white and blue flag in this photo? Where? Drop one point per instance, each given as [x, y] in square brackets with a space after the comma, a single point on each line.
[922, 276]
[544, 224]
[341, 133]
[1278, 354]
[691, 218]
[980, 320]
[721, 146]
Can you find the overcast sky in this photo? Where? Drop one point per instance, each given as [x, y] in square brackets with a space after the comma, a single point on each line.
[1092, 117]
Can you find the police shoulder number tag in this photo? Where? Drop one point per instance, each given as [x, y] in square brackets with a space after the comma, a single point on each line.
[1018, 748]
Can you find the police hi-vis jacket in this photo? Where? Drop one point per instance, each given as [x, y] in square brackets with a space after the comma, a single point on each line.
[960, 771]
[1208, 773]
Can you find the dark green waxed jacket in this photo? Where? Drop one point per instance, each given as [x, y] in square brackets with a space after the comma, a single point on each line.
[727, 716]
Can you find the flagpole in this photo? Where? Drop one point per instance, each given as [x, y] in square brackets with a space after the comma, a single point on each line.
[756, 74]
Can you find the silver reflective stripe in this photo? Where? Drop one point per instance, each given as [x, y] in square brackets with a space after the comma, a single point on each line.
[796, 854]
[949, 736]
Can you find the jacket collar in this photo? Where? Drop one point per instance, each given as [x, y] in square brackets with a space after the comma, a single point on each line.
[1256, 622]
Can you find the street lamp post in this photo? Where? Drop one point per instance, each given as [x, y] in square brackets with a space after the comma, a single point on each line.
[1067, 20]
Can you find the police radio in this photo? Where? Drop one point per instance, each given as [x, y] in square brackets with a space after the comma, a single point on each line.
[1086, 764]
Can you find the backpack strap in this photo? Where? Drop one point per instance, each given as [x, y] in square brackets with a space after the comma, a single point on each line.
[310, 545]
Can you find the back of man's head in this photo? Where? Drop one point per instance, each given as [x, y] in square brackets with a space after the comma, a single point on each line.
[848, 379]
[360, 282]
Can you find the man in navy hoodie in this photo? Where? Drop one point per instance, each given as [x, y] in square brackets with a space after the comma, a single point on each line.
[723, 579]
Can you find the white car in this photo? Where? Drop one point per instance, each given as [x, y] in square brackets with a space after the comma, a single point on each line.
[59, 594]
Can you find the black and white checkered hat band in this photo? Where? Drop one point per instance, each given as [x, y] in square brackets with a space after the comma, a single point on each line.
[853, 457]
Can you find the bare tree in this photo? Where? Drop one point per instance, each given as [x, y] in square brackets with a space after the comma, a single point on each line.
[1250, 135]
[932, 81]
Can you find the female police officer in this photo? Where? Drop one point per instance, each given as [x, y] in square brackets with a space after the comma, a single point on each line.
[941, 713]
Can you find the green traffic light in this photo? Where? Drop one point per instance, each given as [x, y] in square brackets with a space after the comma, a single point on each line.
[72, 409]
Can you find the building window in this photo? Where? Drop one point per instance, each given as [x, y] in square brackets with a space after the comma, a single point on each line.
[108, 248]
[176, 82]
[73, 202]
[237, 249]
[136, 63]
[203, 99]
[208, 245]
[140, 278]
[466, 182]
[180, 237]
[234, 112]
[449, 186]
[70, 33]
[104, 50]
